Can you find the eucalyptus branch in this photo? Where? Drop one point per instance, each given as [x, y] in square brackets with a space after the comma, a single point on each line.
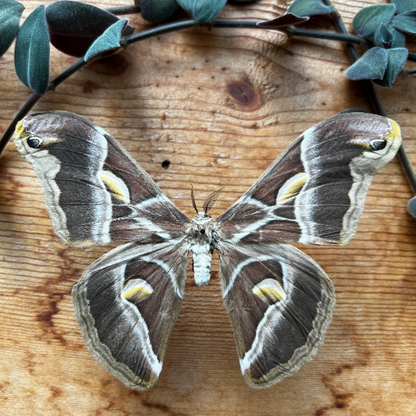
[411, 57]
[290, 31]
[374, 99]
[341, 37]
[121, 10]
[293, 31]
[159, 30]
[34, 98]
[409, 72]
[26, 107]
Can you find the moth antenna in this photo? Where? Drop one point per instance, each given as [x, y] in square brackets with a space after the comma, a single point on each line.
[210, 200]
[193, 199]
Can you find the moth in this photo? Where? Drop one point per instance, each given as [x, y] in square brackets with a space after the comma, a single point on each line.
[280, 301]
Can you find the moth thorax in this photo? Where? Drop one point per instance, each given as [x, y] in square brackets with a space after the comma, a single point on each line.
[201, 234]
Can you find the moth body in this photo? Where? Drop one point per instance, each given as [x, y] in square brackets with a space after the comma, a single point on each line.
[201, 234]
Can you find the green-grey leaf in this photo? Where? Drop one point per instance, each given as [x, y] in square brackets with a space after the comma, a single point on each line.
[202, 11]
[405, 22]
[383, 37]
[31, 56]
[108, 41]
[396, 59]
[157, 11]
[367, 20]
[74, 26]
[388, 37]
[403, 6]
[302, 8]
[411, 206]
[398, 38]
[10, 14]
[371, 65]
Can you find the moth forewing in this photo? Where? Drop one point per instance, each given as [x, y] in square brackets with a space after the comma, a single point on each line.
[314, 193]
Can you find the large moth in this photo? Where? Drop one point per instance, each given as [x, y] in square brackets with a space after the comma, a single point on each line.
[279, 300]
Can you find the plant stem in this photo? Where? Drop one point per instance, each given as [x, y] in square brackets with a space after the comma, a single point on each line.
[159, 30]
[289, 30]
[408, 72]
[342, 37]
[411, 57]
[293, 31]
[171, 27]
[374, 99]
[27, 106]
[34, 98]
[123, 10]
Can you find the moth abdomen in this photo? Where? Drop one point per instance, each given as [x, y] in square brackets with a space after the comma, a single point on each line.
[201, 264]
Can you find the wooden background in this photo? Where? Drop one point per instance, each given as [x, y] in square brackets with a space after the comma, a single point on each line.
[220, 105]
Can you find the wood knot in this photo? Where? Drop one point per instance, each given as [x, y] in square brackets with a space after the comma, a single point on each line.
[244, 94]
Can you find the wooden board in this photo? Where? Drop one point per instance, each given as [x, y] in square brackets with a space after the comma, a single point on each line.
[220, 105]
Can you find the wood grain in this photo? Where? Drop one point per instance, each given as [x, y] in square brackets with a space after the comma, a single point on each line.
[219, 105]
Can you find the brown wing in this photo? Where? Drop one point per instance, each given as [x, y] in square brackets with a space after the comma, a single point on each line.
[94, 190]
[280, 304]
[314, 193]
[126, 304]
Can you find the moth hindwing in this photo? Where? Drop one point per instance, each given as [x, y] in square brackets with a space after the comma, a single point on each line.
[279, 300]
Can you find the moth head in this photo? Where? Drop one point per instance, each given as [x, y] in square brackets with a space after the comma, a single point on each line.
[201, 228]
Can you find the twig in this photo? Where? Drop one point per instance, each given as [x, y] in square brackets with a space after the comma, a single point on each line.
[121, 10]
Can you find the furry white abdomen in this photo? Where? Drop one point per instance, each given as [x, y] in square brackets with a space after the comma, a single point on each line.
[202, 263]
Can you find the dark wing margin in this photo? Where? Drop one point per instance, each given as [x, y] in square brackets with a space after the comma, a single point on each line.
[95, 192]
[280, 304]
[126, 304]
[314, 193]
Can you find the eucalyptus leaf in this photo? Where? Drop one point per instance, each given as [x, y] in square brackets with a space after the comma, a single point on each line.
[383, 37]
[406, 22]
[108, 41]
[74, 26]
[371, 65]
[403, 6]
[202, 11]
[10, 14]
[367, 20]
[411, 206]
[398, 38]
[302, 8]
[31, 56]
[396, 59]
[388, 37]
[157, 11]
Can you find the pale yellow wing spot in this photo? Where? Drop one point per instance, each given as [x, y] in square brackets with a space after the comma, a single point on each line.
[137, 290]
[116, 186]
[269, 291]
[291, 187]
